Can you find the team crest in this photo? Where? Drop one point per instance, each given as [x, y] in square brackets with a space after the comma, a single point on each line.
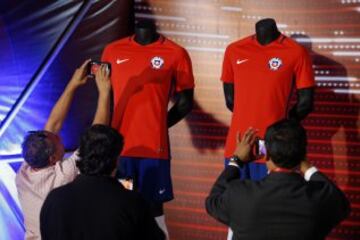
[157, 62]
[275, 64]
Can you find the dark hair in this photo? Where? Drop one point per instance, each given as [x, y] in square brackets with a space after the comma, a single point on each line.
[37, 149]
[286, 143]
[99, 149]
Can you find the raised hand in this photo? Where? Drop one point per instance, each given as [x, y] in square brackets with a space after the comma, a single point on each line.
[244, 146]
[80, 75]
[102, 79]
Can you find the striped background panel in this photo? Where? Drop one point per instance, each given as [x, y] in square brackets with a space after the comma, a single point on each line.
[329, 29]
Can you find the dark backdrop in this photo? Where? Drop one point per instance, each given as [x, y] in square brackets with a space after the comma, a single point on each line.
[41, 45]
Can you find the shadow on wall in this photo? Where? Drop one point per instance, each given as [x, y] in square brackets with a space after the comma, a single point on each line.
[207, 133]
[335, 120]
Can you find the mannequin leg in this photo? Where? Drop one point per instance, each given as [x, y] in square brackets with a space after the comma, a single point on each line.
[160, 220]
[158, 212]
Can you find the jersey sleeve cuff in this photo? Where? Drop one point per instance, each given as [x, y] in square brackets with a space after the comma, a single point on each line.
[226, 80]
[309, 173]
[303, 86]
[233, 164]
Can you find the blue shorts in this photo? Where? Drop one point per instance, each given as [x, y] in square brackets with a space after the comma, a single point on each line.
[253, 171]
[151, 177]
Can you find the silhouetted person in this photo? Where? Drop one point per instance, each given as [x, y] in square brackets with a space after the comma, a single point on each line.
[44, 167]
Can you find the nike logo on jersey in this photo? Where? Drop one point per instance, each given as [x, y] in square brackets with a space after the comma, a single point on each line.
[120, 61]
[161, 191]
[241, 61]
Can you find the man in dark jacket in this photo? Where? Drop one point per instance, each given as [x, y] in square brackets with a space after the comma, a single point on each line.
[285, 204]
[95, 205]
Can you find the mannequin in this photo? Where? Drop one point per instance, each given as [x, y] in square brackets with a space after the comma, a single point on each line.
[145, 33]
[266, 33]
[249, 54]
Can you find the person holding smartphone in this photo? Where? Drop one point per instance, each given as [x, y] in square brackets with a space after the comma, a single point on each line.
[44, 167]
[294, 201]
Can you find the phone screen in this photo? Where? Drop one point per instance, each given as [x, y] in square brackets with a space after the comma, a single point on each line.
[260, 148]
[95, 65]
[94, 68]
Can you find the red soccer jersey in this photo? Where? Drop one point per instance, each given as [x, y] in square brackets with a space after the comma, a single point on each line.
[263, 78]
[142, 78]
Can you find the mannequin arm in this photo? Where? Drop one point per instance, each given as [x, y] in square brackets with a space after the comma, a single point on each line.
[304, 104]
[229, 95]
[182, 106]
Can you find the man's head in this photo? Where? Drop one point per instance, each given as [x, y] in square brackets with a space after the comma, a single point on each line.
[41, 149]
[99, 149]
[286, 143]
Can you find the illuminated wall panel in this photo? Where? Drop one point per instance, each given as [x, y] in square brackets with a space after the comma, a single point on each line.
[329, 29]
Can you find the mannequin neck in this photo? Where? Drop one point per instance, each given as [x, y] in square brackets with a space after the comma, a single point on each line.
[146, 35]
[266, 31]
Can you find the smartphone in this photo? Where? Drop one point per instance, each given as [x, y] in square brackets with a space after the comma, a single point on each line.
[260, 147]
[94, 66]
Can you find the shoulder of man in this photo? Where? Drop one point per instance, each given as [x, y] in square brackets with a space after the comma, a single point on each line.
[244, 185]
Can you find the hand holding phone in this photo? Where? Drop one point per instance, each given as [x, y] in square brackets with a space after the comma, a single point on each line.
[94, 66]
[245, 144]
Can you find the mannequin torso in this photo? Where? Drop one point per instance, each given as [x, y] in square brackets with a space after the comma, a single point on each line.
[134, 69]
[145, 33]
[267, 32]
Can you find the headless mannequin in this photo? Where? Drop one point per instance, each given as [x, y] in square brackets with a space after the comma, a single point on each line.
[145, 33]
[267, 32]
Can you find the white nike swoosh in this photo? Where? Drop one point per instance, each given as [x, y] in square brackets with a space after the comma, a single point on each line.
[119, 61]
[241, 61]
[161, 191]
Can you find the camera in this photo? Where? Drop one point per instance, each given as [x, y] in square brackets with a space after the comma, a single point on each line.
[94, 66]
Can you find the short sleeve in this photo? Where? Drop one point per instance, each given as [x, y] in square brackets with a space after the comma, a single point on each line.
[304, 74]
[66, 170]
[183, 73]
[227, 75]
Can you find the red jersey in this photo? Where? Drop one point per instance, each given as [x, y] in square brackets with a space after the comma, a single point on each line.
[142, 78]
[263, 78]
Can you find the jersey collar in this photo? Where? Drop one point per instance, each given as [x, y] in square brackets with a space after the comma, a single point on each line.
[279, 40]
[157, 42]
